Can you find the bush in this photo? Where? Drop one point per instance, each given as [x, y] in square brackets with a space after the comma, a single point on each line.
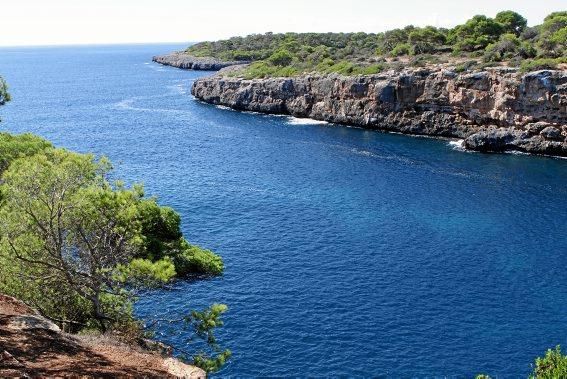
[552, 39]
[505, 38]
[475, 34]
[511, 22]
[401, 49]
[373, 69]
[552, 366]
[467, 66]
[280, 58]
[145, 273]
[194, 259]
[4, 95]
[542, 64]
[85, 264]
[508, 46]
[426, 40]
[13, 147]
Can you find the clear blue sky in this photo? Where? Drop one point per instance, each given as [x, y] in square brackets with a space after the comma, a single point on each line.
[45, 22]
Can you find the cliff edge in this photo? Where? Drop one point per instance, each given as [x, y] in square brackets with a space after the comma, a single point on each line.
[185, 61]
[32, 346]
[495, 110]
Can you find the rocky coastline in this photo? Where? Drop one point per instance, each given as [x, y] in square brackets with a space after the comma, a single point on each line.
[189, 62]
[495, 110]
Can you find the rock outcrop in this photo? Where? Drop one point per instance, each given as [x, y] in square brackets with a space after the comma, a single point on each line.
[32, 346]
[495, 110]
[186, 61]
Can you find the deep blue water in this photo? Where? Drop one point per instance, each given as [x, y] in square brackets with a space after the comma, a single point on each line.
[348, 252]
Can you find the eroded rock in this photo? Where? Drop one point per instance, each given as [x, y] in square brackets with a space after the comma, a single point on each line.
[495, 110]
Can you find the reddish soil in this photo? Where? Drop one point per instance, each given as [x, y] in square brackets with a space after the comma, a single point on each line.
[39, 352]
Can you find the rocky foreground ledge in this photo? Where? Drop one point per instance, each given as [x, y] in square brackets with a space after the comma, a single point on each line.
[189, 62]
[32, 346]
[495, 110]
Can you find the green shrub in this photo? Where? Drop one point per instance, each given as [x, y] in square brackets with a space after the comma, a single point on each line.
[552, 366]
[466, 66]
[505, 38]
[281, 58]
[511, 22]
[119, 239]
[4, 94]
[373, 69]
[542, 64]
[145, 273]
[507, 47]
[19, 146]
[475, 34]
[401, 49]
[194, 259]
[426, 40]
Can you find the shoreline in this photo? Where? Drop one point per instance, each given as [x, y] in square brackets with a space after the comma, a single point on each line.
[458, 147]
[496, 110]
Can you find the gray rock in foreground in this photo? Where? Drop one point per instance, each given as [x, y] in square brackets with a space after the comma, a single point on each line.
[186, 61]
[495, 110]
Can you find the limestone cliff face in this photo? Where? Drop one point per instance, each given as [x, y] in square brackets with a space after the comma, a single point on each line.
[185, 61]
[495, 110]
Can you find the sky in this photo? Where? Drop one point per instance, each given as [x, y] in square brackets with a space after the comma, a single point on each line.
[69, 22]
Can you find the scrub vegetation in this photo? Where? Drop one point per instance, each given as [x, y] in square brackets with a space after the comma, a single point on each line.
[4, 95]
[553, 365]
[79, 246]
[503, 40]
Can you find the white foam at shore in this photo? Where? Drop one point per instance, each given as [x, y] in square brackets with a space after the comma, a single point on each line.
[224, 107]
[457, 145]
[305, 121]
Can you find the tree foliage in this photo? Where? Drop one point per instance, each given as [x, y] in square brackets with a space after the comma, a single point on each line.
[552, 366]
[204, 323]
[504, 38]
[77, 246]
[475, 34]
[511, 22]
[4, 94]
[13, 147]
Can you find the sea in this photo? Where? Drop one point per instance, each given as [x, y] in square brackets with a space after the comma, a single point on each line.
[348, 252]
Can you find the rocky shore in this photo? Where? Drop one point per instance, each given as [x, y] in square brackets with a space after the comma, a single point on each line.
[186, 61]
[495, 110]
[32, 346]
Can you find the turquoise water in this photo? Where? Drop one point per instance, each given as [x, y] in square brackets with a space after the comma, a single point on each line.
[348, 252]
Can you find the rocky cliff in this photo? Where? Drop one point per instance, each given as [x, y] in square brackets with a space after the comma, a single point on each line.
[495, 110]
[186, 61]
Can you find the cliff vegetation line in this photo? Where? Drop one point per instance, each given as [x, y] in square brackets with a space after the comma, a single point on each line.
[481, 41]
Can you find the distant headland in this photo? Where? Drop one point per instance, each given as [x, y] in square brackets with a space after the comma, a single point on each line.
[494, 83]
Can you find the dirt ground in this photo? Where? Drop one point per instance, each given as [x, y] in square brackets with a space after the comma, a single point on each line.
[30, 351]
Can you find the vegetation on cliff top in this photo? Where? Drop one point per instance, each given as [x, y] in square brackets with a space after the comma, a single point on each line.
[505, 39]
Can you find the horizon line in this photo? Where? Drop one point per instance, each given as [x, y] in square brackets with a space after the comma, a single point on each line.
[86, 44]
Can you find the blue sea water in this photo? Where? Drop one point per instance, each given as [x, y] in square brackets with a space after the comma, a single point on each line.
[348, 252]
